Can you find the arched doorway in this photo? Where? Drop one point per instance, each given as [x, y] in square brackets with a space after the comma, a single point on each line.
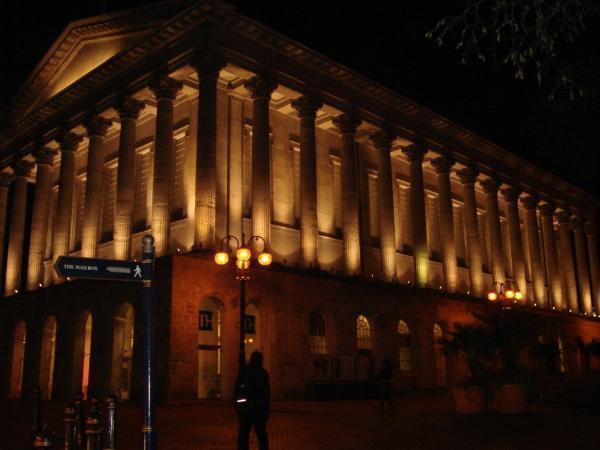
[561, 355]
[209, 349]
[440, 357]
[82, 353]
[47, 356]
[18, 359]
[252, 330]
[120, 380]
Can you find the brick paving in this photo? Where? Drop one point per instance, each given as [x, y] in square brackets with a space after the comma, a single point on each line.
[423, 421]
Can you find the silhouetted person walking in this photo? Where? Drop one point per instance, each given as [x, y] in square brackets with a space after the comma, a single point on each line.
[252, 401]
[385, 385]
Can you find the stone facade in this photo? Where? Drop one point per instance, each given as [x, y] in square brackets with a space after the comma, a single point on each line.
[412, 218]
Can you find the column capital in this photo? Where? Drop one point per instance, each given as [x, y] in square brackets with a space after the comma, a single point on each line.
[207, 64]
[443, 164]
[576, 223]
[165, 87]
[530, 202]
[68, 141]
[260, 86]
[490, 185]
[547, 209]
[562, 216]
[22, 168]
[383, 139]
[511, 194]
[307, 105]
[468, 175]
[590, 228]
[347, 123]
[96, 125]
[415, 152]
[129, 107]
[5, 179]
[44, 155]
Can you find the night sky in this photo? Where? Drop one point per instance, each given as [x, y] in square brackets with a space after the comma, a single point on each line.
[385, 41]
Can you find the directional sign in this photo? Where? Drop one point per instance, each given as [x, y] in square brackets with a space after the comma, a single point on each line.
[105, 269]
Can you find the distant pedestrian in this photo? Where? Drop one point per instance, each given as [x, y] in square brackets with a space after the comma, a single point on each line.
[384, 377]
[252, 402]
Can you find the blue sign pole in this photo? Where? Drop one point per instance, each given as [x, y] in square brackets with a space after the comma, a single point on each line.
[148, 431]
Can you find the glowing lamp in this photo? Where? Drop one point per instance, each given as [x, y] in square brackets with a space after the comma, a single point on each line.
[243, 254]
[510, 294]
[518, 295]
[221, 258]
[492, 296]
[242, 265]
[265, 259]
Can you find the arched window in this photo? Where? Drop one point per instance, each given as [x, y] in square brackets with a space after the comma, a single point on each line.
[437, 333]
[363, 334]
[561, 355]
[18, 359]
[404, 350]
[317, 334]
[252, 330]
[47, 356]
[440, 357]
[123, 335]
[209, 348]
[82, 352]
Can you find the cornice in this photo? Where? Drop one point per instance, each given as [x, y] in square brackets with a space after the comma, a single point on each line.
[258, 48]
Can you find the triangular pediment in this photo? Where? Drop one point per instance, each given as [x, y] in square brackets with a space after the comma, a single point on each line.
[83, 46]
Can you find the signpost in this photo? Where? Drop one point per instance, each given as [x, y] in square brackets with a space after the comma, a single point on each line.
[142, 272]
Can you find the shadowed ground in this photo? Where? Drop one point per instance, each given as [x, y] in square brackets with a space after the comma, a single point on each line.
[422, 421]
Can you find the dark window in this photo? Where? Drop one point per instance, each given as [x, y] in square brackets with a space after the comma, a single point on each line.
[206, 320]
[250, 324]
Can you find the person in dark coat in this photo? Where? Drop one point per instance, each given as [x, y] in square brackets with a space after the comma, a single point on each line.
[252, 402]
[384, 377]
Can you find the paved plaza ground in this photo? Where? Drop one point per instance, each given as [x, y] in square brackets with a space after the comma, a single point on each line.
[422, 421]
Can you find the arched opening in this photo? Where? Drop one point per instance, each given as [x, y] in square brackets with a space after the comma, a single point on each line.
[209, 349]
[252, 330]
[120, 381]
[561, 356]
[363, 335]
[18, 359]
[440, 357]
[405, 361]
[82, 353]
[47, 357]
[318, 342]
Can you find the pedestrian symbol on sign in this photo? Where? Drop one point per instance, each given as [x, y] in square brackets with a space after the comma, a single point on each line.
[137, 272]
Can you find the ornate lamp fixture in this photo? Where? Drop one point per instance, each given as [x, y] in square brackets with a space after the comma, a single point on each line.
[505, 293]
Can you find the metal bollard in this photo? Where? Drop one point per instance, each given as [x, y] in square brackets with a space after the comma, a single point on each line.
[80, 420]
[71, 427]
[92, 426]
[111, 423]
[37, 409]
[43, 438]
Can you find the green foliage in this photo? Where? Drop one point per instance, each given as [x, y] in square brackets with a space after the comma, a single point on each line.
[528, 35]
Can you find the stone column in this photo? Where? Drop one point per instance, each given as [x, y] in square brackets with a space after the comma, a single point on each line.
[165, 89]
[552, 269]
[208, 67]
[347, 124]
[467, 177]
[5, 181]
[568, 264]
[307, 107]
[511, 196]
[44, 158]
[261, 88]
[415, 154]
[583, 277]
[16, 233]
[129, 110]
[382, 140]
[62, 223]
[592, 245]
[535, 257]
[90, 231]
[442, 166]
[490, 186]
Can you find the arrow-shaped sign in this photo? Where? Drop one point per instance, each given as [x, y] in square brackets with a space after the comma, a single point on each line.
[107, 269]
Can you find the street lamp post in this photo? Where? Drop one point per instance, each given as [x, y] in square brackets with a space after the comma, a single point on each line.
[243, 256]
[504, 293]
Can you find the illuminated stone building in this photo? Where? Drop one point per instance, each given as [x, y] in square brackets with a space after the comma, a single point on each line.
[387, 223]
